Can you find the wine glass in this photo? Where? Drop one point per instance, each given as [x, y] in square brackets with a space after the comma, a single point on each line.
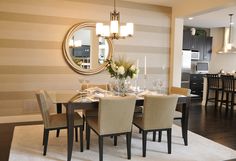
[87, 83]
[155, 84]
[81, 81]
[160, 85]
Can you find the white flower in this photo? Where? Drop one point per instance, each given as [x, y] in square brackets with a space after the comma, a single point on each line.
[132, 68]
[121, 70]
[134, 76]
[114, 67]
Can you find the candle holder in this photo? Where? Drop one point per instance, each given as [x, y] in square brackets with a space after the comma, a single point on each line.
[145, 82]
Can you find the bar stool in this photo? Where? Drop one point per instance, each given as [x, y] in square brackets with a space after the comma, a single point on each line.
[228, 88]
[213, 85]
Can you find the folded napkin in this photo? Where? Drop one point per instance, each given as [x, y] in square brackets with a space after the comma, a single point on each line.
[147, 92]
[95, 90]
[84, 99]
[98, 95]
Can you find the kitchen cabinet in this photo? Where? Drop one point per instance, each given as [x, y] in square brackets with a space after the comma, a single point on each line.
[201, 43]
[196, 84]
[208, 49]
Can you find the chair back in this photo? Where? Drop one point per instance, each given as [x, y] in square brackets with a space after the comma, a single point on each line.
[115, 114]
[213, 81]
[44, 105]
[180, 91]
[102, 86]
[228, 83]
[159, 111]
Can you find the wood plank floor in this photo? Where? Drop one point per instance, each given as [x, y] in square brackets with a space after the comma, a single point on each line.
[213, 124]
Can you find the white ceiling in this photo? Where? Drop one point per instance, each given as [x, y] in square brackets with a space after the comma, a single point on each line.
[218, 18]
[156, 2]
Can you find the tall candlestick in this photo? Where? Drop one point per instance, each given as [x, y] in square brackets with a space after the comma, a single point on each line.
[145, 65]
[137, 63]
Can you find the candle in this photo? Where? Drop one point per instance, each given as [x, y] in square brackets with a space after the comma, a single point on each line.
[137, 63]
[145, 65]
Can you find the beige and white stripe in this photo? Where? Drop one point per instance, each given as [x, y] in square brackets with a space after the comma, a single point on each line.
[31, 35]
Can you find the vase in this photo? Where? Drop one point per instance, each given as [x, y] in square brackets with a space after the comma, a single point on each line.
[121, 86]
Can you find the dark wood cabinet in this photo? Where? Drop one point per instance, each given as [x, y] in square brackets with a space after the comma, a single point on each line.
[201, 43]
[196, 84]
[208, 49]
[186, 40]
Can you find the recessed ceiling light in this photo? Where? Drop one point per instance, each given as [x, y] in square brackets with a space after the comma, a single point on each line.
[190, 18]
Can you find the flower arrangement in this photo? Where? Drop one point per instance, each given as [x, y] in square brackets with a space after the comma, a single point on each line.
[122, 69]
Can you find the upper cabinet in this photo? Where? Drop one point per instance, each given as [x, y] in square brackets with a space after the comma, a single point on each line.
[198, 42]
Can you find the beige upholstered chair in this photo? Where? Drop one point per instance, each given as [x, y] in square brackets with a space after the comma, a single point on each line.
[177, 114]
[179, 91]
[92, 112]
[115, 115]
[56, 121]
[157, 116]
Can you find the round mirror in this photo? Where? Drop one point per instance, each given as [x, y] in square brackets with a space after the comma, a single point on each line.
[84, 51]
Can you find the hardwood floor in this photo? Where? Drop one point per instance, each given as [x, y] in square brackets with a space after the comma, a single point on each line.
[212, 124]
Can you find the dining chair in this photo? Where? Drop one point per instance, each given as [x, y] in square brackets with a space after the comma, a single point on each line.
[228, 89]
[213, 85]
[115, 115]
[92, 112]
[56, 121]
[157, 116]
[177, 113]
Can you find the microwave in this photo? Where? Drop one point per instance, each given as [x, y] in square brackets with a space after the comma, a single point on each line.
[195, 55]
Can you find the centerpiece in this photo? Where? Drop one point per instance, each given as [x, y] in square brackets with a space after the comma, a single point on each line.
[122, 69]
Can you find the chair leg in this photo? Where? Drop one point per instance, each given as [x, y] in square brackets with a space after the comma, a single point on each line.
[88, 135]
[159, 136]
[128, 142]
[58, 133]
[43, 135]
[100, 142]
[144, 142]
[81, 129]
[232, 103]
[222, 100]
[154, 136]
[216, 99]
[115, 140]
[227, 101]
[207, 97]
[46, 133]
[169, 140]
[76, 134]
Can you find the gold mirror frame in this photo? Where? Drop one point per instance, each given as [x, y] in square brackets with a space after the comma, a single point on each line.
[67, 56]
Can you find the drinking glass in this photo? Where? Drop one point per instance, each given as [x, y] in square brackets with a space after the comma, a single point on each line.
[155, 85]
[160, 85]
[81, 81]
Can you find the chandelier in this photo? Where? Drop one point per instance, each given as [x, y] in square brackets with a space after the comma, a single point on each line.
[230, 30]
[115, 30]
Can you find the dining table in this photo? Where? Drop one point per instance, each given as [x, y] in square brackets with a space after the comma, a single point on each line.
[74, 99]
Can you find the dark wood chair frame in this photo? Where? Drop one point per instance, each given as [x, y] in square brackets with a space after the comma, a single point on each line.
[46, 134]
[100, 141]
[213, 85]
[144, 138]
[228, 88]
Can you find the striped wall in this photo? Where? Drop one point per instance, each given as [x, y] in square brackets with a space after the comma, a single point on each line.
[31, 35]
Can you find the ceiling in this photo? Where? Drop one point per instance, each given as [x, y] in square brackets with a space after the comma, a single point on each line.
[156, 2]
[218, 18]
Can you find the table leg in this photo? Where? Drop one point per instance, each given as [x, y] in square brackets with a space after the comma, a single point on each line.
[70, 132]
[59, 110]
[185, 110]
